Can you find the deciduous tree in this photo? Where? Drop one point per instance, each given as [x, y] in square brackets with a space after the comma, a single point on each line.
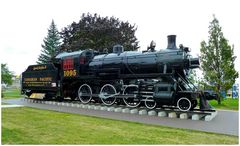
[217, 60]
[99, 33]
[6, 75]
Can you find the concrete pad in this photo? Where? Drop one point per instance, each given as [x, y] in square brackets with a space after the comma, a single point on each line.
[84, 106]
[184, 116]
[162, 114]
[92, 107]
[134, 111]
[97, 107]
[152, 113]
[103, 108]
[110, 109]
[210, 117]
[11, 105]
[126, 110]
[172, 115]
[142, 112]
[117, 110]
[195, 117]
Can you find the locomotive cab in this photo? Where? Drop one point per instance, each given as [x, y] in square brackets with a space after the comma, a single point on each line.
[75, 63]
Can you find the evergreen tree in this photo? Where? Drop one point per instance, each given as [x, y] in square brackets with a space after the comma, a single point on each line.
[217, 61]
[98, 33]
[50, 45]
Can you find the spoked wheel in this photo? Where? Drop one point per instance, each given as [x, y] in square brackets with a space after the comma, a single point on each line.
[85, 93]
[150, 103]
[184, 104]
[107, 94]
[131, 100]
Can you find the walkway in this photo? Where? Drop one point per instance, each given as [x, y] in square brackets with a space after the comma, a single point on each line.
[226, 122]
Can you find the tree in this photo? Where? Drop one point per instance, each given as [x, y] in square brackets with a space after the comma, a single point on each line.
[217, 60]
[192, 76]
[50, 46]
[98, 33]
[6, 75]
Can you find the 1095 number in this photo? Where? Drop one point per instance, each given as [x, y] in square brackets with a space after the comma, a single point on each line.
[69, 73]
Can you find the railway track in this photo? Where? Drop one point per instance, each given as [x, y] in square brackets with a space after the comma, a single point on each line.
[170, 112]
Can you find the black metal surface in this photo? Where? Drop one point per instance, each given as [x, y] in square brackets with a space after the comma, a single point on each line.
[167, 66]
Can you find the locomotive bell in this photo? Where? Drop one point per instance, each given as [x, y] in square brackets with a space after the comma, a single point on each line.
[171, 42]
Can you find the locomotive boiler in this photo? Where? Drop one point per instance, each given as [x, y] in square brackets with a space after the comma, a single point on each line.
[150, 78]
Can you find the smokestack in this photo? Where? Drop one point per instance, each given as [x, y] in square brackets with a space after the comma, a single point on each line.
[171, 42]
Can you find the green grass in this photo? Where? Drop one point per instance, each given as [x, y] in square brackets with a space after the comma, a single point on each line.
[2, 103]
[33, 126]
[228, 104]
[11, 93]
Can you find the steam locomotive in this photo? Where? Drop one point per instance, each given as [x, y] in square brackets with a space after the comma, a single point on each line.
[150, 78]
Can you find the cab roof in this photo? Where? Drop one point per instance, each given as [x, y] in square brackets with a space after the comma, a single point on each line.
[67, 54]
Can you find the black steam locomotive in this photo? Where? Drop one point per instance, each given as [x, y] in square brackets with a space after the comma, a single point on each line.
[150, 78]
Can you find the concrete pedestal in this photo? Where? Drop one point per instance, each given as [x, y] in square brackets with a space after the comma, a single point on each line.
[172, 115]
[152, 113]
[162, 114]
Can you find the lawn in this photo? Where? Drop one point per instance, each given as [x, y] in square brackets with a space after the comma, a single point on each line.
[33, 126]
[11, 93]
[228, 103]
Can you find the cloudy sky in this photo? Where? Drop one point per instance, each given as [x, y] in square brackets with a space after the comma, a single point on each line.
[24, 23]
